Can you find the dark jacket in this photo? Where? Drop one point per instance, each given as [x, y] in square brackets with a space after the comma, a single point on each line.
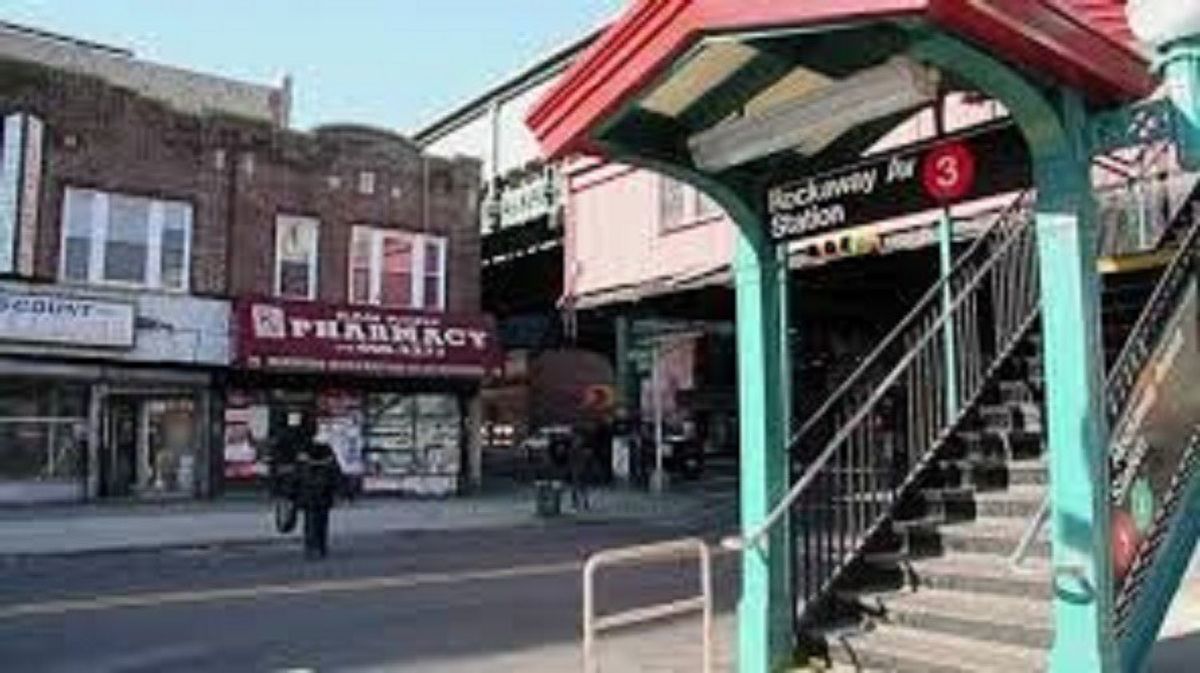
[317, 476]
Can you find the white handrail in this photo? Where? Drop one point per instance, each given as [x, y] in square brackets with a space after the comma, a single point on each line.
[662, 551]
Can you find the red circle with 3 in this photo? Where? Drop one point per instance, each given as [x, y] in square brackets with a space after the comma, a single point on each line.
[949, 172]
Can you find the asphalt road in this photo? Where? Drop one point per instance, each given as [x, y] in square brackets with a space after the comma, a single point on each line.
[379, 603]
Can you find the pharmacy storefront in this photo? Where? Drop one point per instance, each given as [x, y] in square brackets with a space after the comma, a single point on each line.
[390, 391]
[106, 395]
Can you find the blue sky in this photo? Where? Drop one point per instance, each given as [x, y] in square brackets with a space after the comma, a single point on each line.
[393, 63]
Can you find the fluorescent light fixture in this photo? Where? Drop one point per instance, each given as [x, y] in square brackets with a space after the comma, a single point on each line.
[706, 70]
[812, 122]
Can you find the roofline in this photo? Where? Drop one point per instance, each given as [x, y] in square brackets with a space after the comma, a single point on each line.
[653, 34]
[538, 72]
[52, 36]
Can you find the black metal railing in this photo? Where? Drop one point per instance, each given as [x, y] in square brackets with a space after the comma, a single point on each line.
[1137, 354]
[1148, 329]
[870, 441]
[866, 444]
[1183, 226]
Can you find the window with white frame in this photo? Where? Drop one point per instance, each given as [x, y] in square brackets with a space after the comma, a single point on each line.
[397, 269]
[132, 241]
[681, 205]
[296, 240]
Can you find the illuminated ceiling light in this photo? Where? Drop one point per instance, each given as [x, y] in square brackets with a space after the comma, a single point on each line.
[707, 69]
[811, 123]
[798, 83]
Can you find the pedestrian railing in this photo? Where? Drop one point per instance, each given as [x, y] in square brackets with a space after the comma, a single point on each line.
[594, 625]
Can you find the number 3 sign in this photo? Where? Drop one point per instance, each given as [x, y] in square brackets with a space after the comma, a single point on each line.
[949, 172]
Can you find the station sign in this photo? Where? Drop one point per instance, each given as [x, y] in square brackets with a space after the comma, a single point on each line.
[961, 167]
[1154, 436]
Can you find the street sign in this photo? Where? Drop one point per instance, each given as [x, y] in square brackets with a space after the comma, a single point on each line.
[971, 165]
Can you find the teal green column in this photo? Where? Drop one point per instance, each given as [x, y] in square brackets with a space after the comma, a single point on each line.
[764, 614]
[945, 264]
[1078, 458]
[1181, 70]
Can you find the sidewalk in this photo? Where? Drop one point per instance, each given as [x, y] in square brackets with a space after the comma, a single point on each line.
[674, 648]
[99, 528]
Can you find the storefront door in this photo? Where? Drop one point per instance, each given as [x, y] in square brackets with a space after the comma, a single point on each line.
[119, 459]
[150, 446]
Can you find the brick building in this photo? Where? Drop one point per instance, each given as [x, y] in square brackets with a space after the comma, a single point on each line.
[147, 214]
[353, 238]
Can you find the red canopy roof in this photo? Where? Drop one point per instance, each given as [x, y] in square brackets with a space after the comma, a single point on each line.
[1086, 44]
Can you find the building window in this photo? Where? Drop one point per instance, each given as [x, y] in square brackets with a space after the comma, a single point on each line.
[296, 257]
[20, 185]
[366, 182]
[434, 274]
[131, 241]
[397, 269]
[682, 206]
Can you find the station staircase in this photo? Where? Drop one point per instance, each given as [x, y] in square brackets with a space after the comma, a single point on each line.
[919, 501]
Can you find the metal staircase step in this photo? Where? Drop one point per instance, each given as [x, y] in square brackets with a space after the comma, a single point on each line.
[1012, 417]
[1007, 445]
[1016, 391]
[977, 473]
[971, 573]
[904, 650]
[996, 536]
[1023, 472]
[1017, 501]
[979, 573]
[1021, 621]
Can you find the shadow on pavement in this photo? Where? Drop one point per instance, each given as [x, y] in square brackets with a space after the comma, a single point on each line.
[1178, 654]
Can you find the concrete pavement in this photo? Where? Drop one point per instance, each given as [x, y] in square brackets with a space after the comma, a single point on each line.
[107, 528]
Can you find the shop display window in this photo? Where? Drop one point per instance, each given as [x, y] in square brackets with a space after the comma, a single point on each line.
[414, 443]
[43, 440]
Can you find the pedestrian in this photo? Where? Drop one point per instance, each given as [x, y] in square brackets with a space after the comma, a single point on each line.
[318, 475]
[579, 461]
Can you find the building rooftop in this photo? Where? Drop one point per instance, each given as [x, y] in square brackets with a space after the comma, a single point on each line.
[185, 90]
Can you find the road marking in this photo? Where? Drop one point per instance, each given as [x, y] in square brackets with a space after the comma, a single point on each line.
[158, 599]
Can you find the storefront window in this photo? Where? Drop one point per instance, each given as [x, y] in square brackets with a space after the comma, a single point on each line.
[414, 444]
[43, 441]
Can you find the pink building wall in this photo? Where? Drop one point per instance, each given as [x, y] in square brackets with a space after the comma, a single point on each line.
[617, 247]
[616, 240]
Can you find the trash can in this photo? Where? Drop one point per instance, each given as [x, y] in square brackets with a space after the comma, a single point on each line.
[549, 498]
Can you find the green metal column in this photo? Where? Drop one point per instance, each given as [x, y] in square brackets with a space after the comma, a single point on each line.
[946, 263]
[764, 615]
[1181, 68]
[1082, 562]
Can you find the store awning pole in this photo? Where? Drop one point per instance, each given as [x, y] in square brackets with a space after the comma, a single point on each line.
[658, 481]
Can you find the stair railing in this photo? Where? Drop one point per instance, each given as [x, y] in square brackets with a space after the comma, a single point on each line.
[859, 452]
[1135, 354]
